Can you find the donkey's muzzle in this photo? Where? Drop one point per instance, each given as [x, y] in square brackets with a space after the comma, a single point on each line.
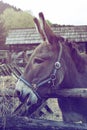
[23, 92]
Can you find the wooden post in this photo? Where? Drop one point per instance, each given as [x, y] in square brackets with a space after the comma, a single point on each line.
[24, 123]
[75, 92]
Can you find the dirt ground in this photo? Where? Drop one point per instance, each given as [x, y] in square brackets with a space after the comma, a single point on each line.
[9, 104]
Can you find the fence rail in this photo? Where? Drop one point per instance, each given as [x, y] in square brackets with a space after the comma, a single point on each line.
[35, 124]
[23, 123]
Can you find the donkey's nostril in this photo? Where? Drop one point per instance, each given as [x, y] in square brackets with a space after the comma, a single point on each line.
[18, 93]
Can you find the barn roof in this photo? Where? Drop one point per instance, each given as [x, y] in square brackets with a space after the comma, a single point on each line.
[30, 35]
[23, 36]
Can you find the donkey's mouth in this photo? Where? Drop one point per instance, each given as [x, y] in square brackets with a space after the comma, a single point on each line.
[25, 93]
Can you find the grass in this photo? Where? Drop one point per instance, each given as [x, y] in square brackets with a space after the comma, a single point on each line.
[7, 103]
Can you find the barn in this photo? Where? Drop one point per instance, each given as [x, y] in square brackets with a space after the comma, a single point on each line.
[77, 34]
[18, 39]
[22, 40]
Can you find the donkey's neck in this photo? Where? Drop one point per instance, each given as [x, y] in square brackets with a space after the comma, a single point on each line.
[73, 77]
[79, 59]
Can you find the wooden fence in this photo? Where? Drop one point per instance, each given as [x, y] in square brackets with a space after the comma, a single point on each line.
[15, 122]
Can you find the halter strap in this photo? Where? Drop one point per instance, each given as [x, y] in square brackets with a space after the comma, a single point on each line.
[29, 85]
[52, 77]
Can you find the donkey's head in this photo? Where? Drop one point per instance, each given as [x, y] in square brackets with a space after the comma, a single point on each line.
[44, 67]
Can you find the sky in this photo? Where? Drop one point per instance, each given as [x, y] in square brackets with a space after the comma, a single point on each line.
[64, 12]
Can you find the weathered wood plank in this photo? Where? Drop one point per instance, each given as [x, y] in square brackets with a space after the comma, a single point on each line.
[23, 123]
[75, 92]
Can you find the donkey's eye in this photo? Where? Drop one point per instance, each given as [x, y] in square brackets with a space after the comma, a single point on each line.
[38, 61]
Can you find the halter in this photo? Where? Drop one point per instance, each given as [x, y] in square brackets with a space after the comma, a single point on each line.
[50, 81]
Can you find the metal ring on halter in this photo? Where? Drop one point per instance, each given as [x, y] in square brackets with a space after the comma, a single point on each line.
[53, 77]
[57, 65]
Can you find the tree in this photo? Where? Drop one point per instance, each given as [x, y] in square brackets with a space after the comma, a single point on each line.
[4, 6]
[17, 19]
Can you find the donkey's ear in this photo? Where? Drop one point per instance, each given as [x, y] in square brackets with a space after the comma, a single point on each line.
[50, 35]
[39, 29]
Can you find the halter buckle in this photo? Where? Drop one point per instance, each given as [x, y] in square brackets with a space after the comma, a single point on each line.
[53, 77]
[57, 65]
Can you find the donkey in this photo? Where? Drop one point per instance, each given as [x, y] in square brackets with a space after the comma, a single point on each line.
[55, 64]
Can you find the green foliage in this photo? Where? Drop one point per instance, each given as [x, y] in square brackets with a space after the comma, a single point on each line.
[14, 19]
[11, 17]
[4, 6]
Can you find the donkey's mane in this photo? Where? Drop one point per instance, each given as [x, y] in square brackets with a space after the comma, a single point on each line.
[80, 59]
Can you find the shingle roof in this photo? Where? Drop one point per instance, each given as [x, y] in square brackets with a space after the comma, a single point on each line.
[73, 33]
[30, 35]
[23, 36]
